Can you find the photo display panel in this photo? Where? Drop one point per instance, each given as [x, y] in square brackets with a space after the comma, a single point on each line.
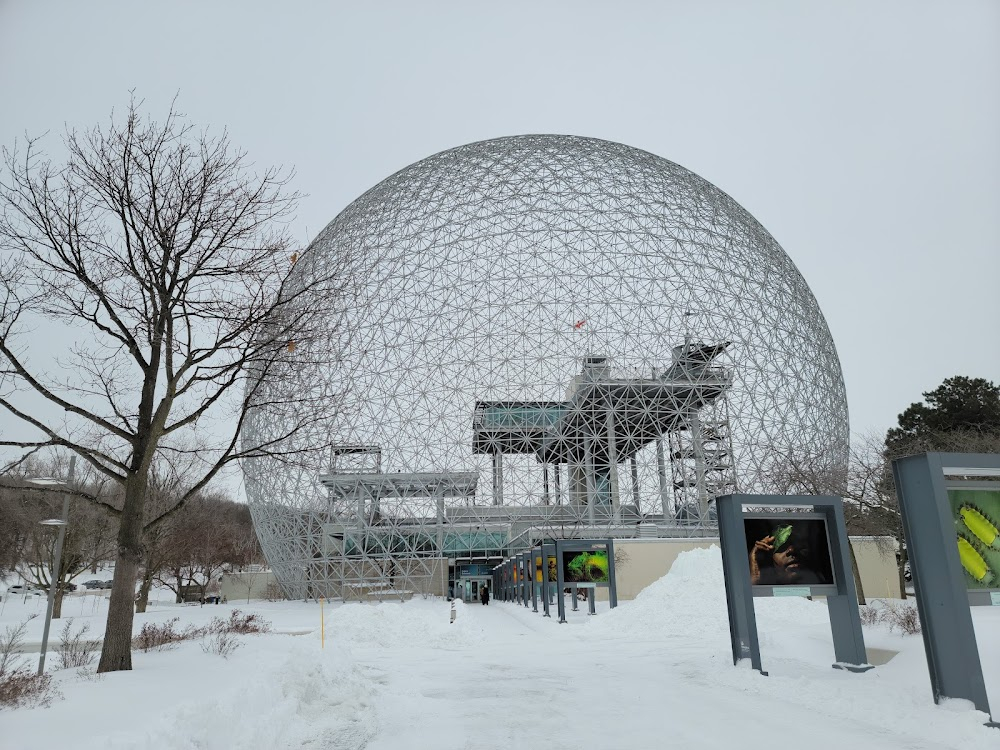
[538, 568]
[976, 514]
[553, 566]
[585, 566]
[788, 550]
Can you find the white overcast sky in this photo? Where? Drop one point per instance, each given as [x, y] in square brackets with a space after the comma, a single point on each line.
[865, 136]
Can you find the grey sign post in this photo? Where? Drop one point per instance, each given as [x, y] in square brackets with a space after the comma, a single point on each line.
[519, 578]
[537, 564]
[841, 596]
[526, 579]
[548, 550]
[522, 591]
[943, 599]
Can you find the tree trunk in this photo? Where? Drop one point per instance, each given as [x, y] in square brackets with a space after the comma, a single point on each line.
[902, 575]
[179, 589]
[147, 583]
[116, 654]
[902, 559]
[57, 603]
[857, 573]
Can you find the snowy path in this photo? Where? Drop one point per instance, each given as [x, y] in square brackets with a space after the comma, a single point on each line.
[527, 686]
[654, 673]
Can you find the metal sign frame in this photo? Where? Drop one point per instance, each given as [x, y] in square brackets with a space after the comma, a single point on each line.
[583, 545]
[537, 565]
[943, 600]
[841, 597]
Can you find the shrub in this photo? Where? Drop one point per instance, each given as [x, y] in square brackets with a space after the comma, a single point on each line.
[895, 615]
[220, 643]
[24, 688]
[240, 624]
[166, 635]
[75, 649]
[19, 686]
[89, 674]
[870, 614]
[902, 616]
[158, 636]
[273, 592]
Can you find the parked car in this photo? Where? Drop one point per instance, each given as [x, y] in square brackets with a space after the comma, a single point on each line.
[93, 584]
[66, 587]
[19, 589]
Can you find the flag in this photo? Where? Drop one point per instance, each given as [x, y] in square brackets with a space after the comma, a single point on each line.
[578, 325]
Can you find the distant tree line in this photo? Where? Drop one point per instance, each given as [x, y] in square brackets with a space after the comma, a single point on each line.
[187, 550]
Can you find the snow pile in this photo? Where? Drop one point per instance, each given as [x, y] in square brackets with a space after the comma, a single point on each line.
[690, 602]
[289, 695]
[390, 624]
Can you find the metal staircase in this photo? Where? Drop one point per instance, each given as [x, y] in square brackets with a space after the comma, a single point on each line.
[701, 455]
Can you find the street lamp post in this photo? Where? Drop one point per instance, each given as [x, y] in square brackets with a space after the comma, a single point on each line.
[54, 575]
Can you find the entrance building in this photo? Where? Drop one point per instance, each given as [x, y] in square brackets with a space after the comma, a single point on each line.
[466, 579]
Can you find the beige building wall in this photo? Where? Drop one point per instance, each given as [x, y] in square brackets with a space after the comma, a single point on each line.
[240, 586]
[648, 560]
[876, 558]
[430, 576]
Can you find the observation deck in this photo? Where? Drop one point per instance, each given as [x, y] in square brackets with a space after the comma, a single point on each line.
[637, 410]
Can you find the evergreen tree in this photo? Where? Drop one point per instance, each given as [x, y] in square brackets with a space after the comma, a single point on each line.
[960, 405]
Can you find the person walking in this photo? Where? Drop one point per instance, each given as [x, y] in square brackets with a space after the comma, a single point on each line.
[484, 595]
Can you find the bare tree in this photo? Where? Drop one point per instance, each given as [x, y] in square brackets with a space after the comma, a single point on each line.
[13, 529]
[197, 547]
[85, 522]
[165, 493]
[168, 254]
[89, 533]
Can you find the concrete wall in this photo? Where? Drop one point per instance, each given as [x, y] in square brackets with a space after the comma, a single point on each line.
[236, 586]
[876, 558]
[648, 560]
[428, 576]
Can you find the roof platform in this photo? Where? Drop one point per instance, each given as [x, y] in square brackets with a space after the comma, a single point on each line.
[514, 426]
[640, 409]
[404, 485]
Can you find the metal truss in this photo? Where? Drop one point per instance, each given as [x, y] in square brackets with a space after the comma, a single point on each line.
[544, 336]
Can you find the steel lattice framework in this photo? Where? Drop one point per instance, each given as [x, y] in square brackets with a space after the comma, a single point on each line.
[545, 336]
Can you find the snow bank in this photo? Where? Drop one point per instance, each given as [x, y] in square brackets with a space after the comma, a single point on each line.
[287, 694]
[690, 602]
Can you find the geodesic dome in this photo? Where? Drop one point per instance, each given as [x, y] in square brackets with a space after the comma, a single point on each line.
[491, 284]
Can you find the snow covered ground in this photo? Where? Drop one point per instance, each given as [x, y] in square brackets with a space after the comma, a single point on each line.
[654, 673]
